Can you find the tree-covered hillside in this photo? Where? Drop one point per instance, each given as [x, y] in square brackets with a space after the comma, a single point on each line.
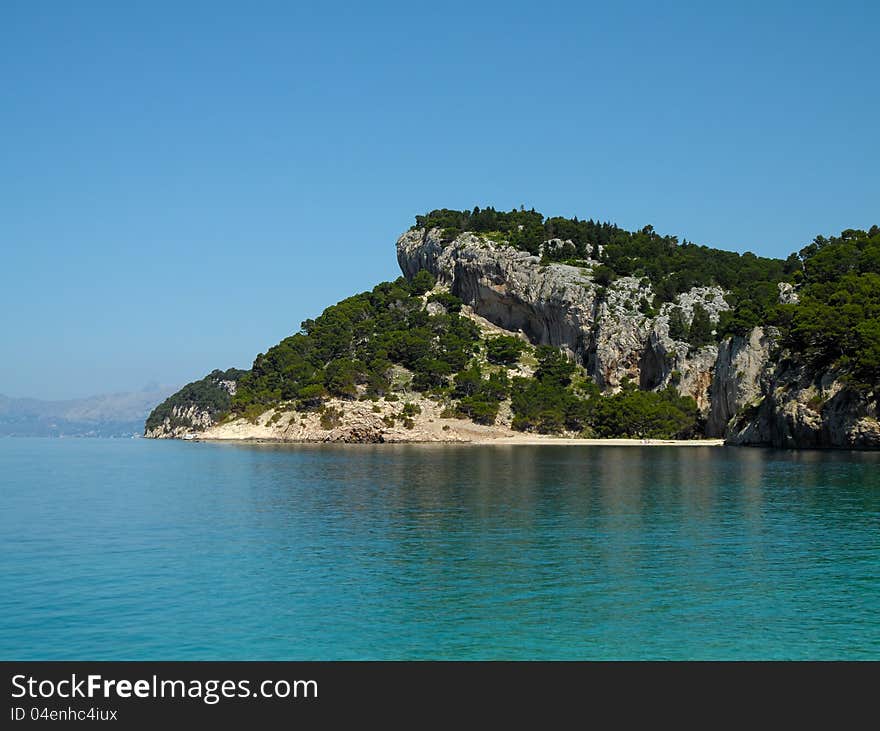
[358, 342]
[837, 321]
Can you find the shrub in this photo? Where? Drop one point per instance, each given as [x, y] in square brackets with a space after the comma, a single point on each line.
[449, 301]
[422, 282]
[504, 349]
[603, 275]
[331, 417]
[478, 409]
[700, 331]
[411, 409]
[254, 412]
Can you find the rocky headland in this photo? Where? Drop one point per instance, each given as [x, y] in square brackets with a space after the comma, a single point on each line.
[750, 388]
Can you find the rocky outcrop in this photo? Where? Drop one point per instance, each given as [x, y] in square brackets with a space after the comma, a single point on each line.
[796, 409]
[787, 295]
[762, 396]
[183, 419]
[606, 329]
[551, 305]
[741, 375]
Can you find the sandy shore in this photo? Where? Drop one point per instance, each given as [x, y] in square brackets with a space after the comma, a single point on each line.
[537, 439]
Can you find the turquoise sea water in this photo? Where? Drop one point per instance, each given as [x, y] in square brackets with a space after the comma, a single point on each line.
[138, 549]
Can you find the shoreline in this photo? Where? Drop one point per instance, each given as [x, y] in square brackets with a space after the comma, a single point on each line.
[383, 422]
[535, 440]
[530, 440]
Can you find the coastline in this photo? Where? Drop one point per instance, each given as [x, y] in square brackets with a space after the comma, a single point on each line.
[365, 422]
[524, 440]
[538, 439]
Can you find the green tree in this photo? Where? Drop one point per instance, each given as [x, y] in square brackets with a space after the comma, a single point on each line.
[603, 275]
[467, 382]
[422, 282]
[644, 414]
[340, 378]
[553, 366]
[837, 321]
[700, 332]
[678, 329]
[449, 301]
[504, 349]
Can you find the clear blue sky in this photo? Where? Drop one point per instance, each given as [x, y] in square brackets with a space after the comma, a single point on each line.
[182, 183]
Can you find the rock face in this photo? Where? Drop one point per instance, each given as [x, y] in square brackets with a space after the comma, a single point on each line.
[787, 295]
[748, 391]
[556, 307]
[607, 329]
[762, 396]
[797, 410]
[742, 374]
[184, 419]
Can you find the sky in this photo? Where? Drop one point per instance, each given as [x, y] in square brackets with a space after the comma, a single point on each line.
[182, 183]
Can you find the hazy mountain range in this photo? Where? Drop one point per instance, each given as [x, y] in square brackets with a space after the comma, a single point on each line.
[105, 415]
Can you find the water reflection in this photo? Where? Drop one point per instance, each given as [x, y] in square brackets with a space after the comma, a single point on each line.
[382, 551]
[568, 541]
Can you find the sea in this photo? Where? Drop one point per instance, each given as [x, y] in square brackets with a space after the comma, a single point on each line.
[133, 549]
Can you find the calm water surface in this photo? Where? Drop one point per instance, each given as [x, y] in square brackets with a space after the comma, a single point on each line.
[134, 549]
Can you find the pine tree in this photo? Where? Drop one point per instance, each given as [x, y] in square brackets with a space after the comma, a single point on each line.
[700, 332]
[677, 325]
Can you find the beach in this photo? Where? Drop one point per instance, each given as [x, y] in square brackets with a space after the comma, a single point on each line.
[543, 440]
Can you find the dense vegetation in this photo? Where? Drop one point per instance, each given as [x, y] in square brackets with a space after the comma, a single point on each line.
[358, 342]
[504, 349]
[837, 321]
[479, 398]
[206, 395]
[670, 266]
[559, 398]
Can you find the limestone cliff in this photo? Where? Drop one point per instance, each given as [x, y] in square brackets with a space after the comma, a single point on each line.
[795, 409]
[742, 372]
[605, 328]
[747, 388]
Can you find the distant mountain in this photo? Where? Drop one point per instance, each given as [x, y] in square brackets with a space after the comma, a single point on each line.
[105, 415]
